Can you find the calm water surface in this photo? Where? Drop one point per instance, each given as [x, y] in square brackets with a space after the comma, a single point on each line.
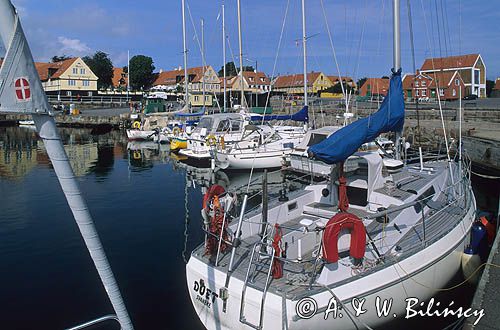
[146, 210]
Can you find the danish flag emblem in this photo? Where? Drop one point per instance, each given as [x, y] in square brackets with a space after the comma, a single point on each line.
[23, 92]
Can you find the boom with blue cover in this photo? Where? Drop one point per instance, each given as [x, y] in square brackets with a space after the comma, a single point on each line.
[188, 114]
[347, 140]
[302, 115]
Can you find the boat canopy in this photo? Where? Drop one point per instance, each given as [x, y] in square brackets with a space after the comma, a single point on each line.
[188, 114]
[302, 115]
[346, 141]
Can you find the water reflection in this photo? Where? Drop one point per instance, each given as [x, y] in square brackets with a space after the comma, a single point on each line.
[22, 150]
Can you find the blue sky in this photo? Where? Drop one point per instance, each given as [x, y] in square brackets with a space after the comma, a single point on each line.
[361, 31]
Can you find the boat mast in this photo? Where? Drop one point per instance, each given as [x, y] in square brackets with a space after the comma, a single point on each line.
[241, 54]
[46, 129]
[396, 60]
[128, 73]
[304, 42]
[186, 77]
[224, 54]
[203, 58]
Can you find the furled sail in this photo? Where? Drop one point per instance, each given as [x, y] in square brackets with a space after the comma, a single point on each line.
[302, 115]
[20, 88]
[346, 141]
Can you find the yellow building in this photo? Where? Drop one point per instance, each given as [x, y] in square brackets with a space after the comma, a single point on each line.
[294, 84]
[71, 77]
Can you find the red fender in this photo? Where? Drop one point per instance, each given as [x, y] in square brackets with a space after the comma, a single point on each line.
[344, 220]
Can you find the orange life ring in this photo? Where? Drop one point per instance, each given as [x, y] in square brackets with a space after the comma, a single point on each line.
[344, 220]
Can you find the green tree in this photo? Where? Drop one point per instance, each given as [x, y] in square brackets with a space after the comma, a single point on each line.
[141, 72]
[360, 83]
[230, 70]
[102, 67]
[61, 58]
[337, 88]
[490, 84]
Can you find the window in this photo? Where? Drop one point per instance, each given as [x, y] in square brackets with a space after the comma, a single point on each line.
[85, 83]
[223, 126]
[89, 93]
[71, 82]
[454, 92]
[476, 76]
[196, 98]
[68, 93]
[457, 82]
[82, 71]
[424, 92]
[235, 126]
[416, 83]
[441, 92]
[416, 93]
[423, 83]
[75, 70]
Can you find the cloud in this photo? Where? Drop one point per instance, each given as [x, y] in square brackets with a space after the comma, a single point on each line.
[73, 45]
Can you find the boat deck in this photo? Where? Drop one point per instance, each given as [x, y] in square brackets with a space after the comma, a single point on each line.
[440, 217]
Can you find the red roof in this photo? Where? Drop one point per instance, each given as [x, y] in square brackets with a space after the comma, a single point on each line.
[450, 62]
[258, 77]
[53, 70]
[443, 78]
[296, 80]
[177, 76]
[377, 85]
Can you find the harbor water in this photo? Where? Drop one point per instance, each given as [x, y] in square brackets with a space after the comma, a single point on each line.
[146, 207]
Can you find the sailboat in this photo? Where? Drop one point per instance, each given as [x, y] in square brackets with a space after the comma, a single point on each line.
[363, 239]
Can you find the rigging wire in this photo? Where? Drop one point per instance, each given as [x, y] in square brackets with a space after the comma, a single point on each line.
[412, 46]
[344, 93]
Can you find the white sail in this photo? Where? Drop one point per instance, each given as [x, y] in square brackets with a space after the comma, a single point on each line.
[20, 88]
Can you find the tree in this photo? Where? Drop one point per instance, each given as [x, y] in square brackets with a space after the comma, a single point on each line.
[61, 58]
[385, 77]
[141, 72]
[248, 68]
[102, 67]
[230, 70]
[490, 84]
[360, 82]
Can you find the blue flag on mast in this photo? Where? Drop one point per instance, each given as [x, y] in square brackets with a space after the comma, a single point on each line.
[347, 140]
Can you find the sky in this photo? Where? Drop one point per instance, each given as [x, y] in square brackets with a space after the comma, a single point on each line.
[360, 30]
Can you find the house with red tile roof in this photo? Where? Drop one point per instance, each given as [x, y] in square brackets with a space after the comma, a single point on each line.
[425, 87]
[471, 69]
[253, 82]
[346, 80]
[174, 79]
[374, 87]
[71, 77]
[119, 79]
[294, 84]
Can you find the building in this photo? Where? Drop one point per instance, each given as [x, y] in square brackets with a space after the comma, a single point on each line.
[374, 87]
[119, 79]
[496, 89]
[253, 82]
[294, 84]
[346, 80]
[174, 80]
[471, 68]
[425, 87]
[71, 77]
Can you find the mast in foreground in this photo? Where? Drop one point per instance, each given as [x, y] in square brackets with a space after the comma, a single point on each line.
[21, 92]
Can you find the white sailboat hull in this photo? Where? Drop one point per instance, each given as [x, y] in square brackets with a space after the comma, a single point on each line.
[247, 160]
[137, 134]
[414, 277]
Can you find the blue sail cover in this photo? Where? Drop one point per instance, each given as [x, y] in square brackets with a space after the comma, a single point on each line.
[302, 115]
[347, 140]
[188, 114]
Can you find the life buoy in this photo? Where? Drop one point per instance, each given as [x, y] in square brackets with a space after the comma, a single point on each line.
[136, 154]
[344, 220]
[211, 140]
[136, 124]
[176, 131]
[222, 143]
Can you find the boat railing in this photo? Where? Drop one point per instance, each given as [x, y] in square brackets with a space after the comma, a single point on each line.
[95, 322]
